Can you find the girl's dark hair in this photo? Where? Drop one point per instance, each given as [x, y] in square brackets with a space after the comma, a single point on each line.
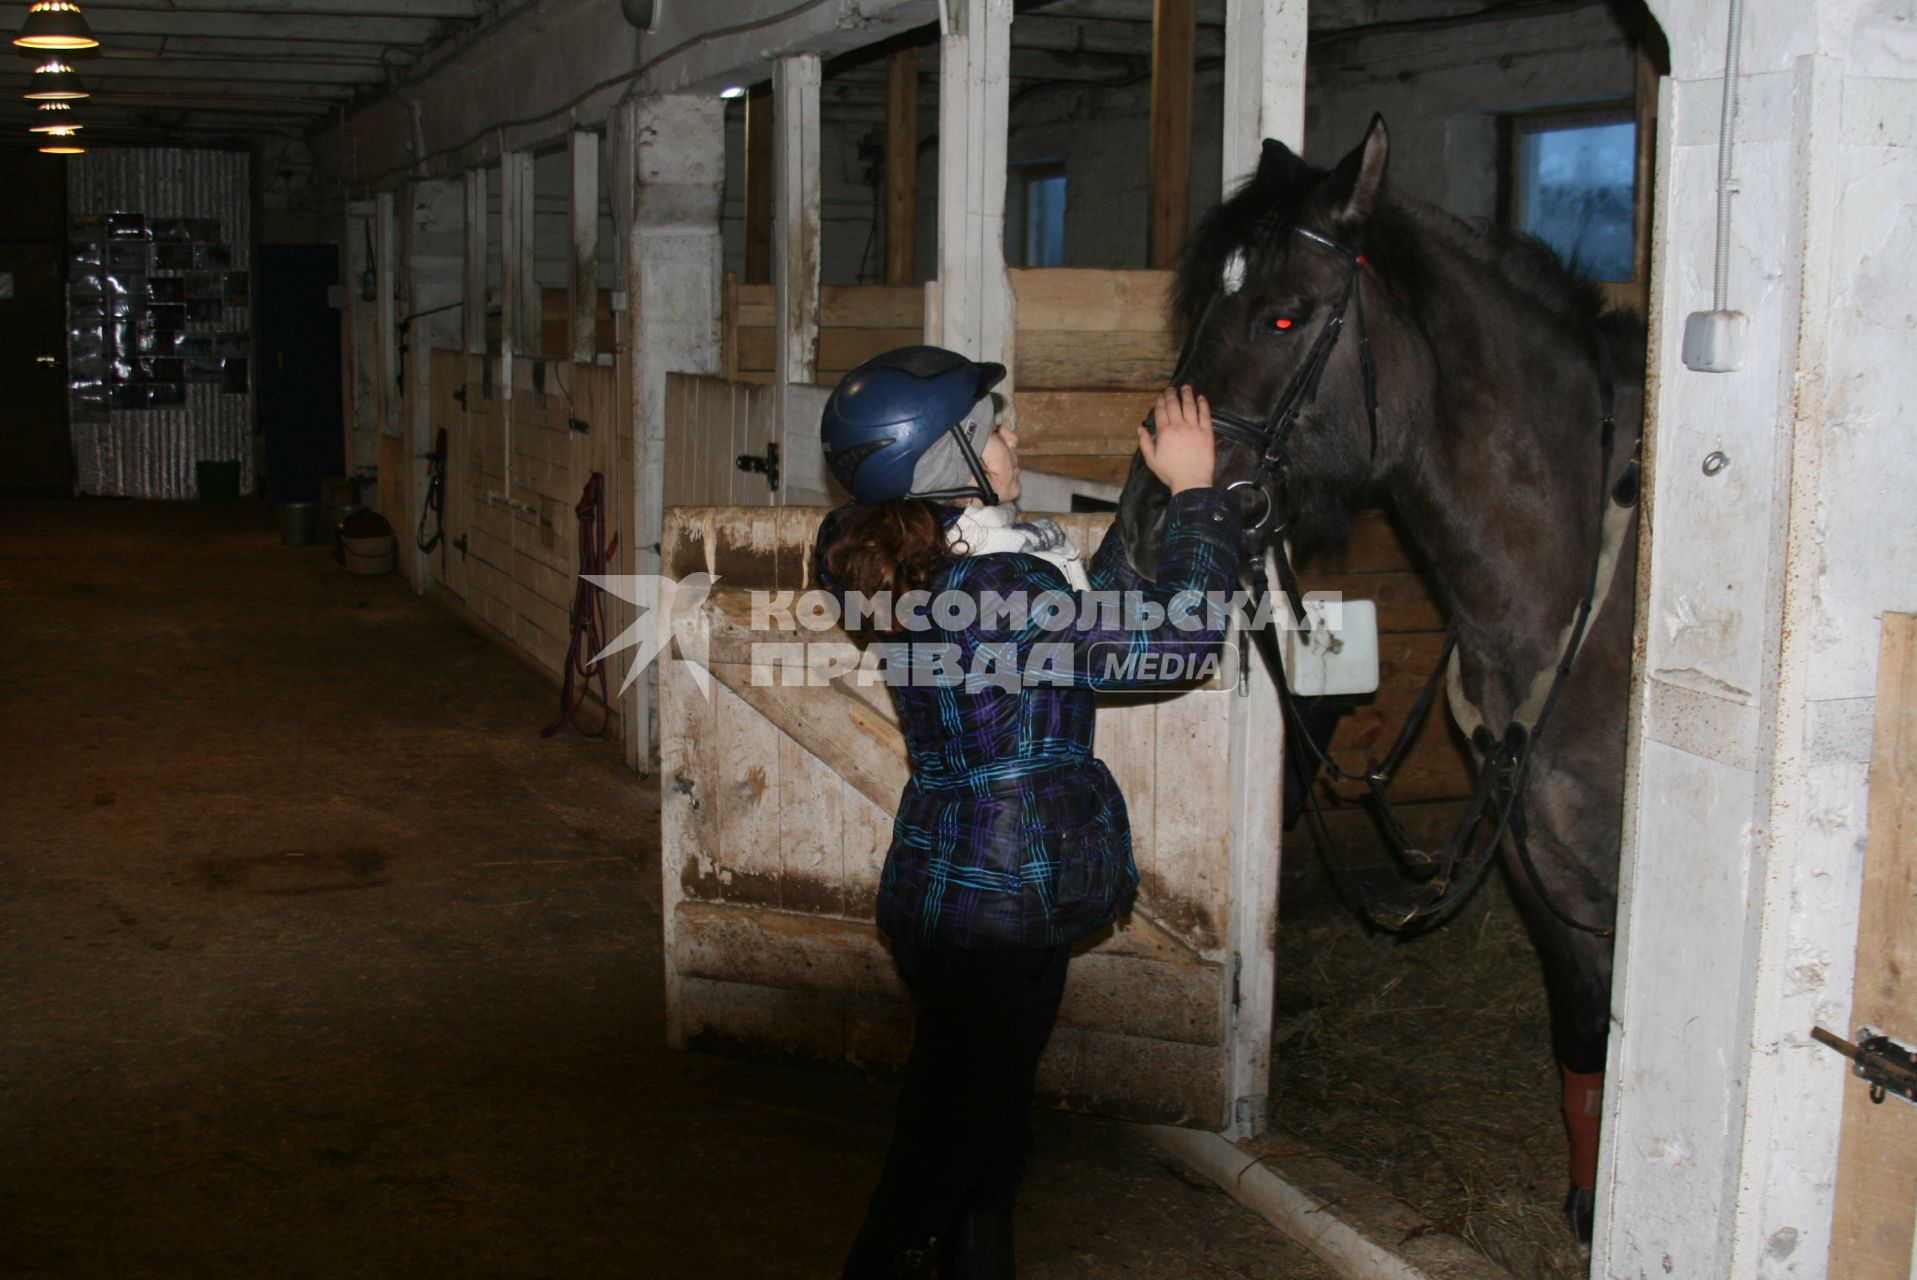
[889, 547]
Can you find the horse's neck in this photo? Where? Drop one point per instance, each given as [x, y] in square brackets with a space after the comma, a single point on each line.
[1500, 493]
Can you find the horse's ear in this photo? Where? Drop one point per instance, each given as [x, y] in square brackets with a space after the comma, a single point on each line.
[1350, 193]
[1281, 167]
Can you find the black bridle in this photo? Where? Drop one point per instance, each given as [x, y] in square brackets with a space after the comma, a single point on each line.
[1269, 439]
[1454, 871]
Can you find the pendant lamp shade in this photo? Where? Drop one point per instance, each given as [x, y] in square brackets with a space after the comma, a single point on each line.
[56, 24]
[55, 82]
[58, 127]
[62, 149]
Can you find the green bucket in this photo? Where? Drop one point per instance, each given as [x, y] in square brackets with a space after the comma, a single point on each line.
[218, 481]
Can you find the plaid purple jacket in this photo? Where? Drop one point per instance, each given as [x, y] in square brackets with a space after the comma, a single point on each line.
[1010, 832]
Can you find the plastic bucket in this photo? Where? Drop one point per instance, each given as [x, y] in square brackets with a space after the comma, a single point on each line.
[299, 523]
[217, 481]
[370, 557]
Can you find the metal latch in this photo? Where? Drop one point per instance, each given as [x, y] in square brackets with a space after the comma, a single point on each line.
[768, 466]
[1887, 1065]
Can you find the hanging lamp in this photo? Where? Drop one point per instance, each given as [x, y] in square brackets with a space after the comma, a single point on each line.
[56, 24]
[55, 81]
[58, 127]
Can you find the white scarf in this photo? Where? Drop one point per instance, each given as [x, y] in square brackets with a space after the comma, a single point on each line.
[988, 531]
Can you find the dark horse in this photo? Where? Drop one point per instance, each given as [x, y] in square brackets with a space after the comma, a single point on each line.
[1481, 430]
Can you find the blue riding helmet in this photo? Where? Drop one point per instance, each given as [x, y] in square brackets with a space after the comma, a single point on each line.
[884, 415]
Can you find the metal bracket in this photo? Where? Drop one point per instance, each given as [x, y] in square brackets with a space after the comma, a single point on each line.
[767, 465]
[1891, 1068]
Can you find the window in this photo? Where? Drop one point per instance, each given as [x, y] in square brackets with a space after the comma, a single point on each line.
[1043, 208]
[1572, 184]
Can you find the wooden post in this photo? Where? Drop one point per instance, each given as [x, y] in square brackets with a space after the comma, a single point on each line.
[518, 285]
[674, 149]
[385, 316]
[1264, 82]
[473, 307]
[1644, 175]
[758, 185]
[796, 224]
[901, 165]
[1174, 45]
[433, 274]
[973, 307]
[1871, 1229]
[583, 279]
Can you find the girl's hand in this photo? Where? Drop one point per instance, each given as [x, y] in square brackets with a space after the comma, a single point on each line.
[1183, 454]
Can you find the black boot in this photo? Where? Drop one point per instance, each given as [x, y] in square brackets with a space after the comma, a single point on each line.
[875, 1257]
[1580, 1206]
[978, 1247]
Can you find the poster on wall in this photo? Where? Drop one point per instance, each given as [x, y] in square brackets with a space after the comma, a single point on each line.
[154, 306]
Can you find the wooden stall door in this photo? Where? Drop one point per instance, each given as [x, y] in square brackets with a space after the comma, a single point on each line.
[711, 423]
[776, 816]
[1872, 1227]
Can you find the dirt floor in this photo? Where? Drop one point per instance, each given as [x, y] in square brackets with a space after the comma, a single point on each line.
[1424, 1064]
[320, 962]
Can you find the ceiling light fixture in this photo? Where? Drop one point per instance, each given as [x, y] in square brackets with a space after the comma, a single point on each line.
[58, 128]
[63, 151]
[56, 24]
[731, 91]
[55, 82]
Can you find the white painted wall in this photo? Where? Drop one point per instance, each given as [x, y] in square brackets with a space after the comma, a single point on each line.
[1759, 631]
[1442, 90]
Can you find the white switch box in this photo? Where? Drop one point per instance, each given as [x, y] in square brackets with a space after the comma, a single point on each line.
[1714, 340]
[1339, 654]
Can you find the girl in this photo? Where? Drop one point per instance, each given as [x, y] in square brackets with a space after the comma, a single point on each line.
[1011, 840]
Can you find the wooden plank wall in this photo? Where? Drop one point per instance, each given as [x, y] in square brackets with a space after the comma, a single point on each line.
[515, 473]
[1877, 1161]
[555, 325]
[856, 322]
[1093, 349]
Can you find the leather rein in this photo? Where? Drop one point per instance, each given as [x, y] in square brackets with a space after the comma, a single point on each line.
[1455, 870]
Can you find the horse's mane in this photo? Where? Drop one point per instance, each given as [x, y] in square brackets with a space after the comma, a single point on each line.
[1402, 235]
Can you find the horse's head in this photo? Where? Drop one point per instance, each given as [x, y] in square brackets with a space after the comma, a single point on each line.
[1271, 296]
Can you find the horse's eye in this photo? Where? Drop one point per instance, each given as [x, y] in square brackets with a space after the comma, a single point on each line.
[1282, 323]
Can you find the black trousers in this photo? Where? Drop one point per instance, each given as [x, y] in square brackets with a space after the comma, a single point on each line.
[964, 1125]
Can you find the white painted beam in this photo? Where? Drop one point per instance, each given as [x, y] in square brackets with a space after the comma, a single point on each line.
[474, 293]
[796, 227]
[432, 277]
[1264, 81]
[385, 317]
[1255, 757]
[582, 287]
[518, 285]
[974, 311]
[674, 151]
